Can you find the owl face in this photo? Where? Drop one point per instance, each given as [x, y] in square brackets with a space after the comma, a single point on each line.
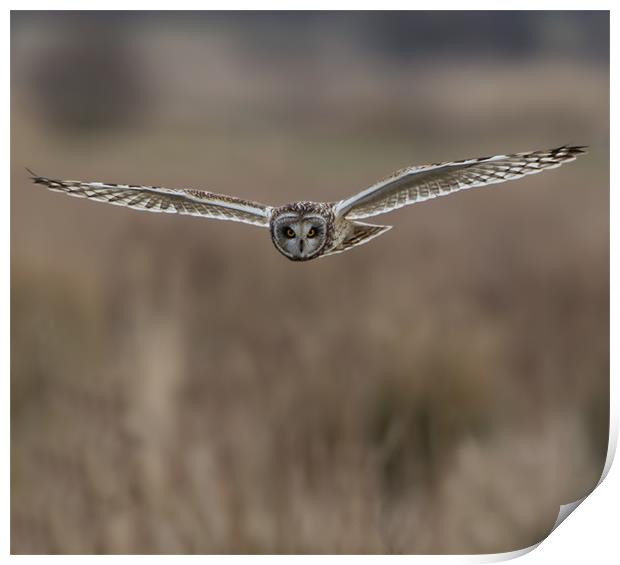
[299, 236]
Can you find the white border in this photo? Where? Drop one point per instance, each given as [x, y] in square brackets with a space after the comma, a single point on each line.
[589, 533]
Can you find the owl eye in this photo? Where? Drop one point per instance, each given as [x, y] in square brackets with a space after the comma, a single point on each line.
[312, 233]
[290, 233]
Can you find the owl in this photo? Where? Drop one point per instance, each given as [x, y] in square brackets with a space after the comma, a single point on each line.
[306, 230]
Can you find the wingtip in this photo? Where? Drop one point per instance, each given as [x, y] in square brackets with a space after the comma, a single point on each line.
[578, 149]
[37, 179]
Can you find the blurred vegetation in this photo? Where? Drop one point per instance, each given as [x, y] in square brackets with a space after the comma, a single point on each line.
[178, 387]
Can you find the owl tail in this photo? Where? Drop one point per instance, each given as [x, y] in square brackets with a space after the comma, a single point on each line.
[360, 234]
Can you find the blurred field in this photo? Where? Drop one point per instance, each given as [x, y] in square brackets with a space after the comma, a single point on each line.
[179, 387]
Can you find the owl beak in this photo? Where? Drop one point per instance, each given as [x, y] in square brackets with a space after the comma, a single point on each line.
[301, 246]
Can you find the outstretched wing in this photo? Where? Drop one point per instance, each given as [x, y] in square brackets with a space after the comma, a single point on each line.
[156, 199]
[415, 184]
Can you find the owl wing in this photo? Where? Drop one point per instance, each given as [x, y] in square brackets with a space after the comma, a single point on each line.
[415, 184]
[157, 199]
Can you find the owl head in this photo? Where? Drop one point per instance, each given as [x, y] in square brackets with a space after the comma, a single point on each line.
[300, 231]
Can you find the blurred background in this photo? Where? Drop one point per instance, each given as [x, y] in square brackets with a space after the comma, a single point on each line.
[179, 387]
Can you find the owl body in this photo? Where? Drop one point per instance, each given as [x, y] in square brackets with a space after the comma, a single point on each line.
[307, 230]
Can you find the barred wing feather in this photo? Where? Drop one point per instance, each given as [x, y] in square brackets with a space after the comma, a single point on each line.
[157, 199]
[416, 184]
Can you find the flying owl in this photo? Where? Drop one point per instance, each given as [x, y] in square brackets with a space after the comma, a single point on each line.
[303, 230]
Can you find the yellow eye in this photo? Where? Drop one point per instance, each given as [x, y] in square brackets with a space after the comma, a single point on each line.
[312, 233]
[290, 233]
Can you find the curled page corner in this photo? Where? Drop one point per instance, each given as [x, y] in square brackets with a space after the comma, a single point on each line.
[565, 509]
